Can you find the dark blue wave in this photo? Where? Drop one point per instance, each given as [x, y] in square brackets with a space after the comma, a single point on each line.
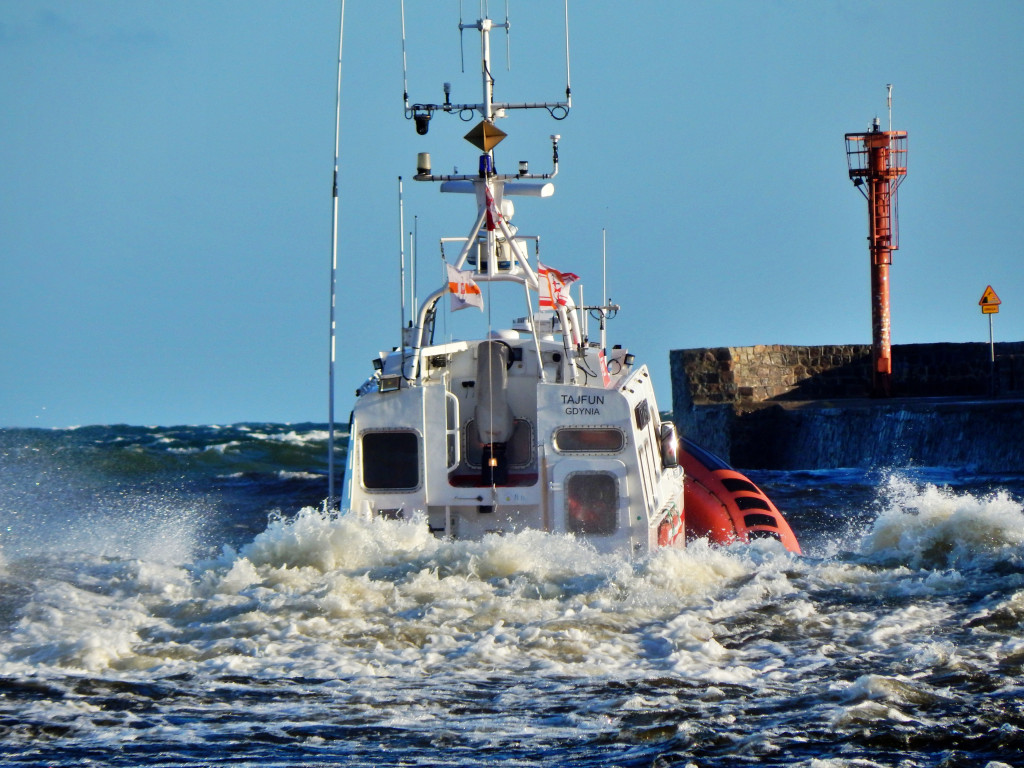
[235, 476]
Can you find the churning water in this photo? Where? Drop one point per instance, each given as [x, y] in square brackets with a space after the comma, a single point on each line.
[174, 597]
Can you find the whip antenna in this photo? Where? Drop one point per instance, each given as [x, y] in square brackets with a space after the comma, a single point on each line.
[462, 53]
[568, 88]
[405, 70]
[508, 47]
[331, 497]
[401, 269]
[604, 263]
[604, 288]
[415, 235]
[889, 104]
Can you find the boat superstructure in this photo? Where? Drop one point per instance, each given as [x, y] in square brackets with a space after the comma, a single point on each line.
[534, 425]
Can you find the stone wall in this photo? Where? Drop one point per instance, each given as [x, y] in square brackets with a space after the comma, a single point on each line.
[787, 407]
[770, 371]
[782, 372]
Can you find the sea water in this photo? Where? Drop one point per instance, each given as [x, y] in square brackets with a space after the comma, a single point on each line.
[176, 597]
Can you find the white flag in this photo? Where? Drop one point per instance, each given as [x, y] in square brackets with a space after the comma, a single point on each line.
[464, 290]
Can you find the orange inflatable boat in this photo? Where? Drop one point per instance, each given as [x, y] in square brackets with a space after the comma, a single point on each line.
[723, 505]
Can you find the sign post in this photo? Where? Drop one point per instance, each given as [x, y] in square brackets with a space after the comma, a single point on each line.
[989, 304]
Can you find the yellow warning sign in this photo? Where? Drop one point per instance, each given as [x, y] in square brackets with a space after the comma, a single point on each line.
[989, 302]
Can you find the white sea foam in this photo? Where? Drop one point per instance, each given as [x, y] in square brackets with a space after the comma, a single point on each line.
[325, 595]
[935, 528]
[283, 475]
[294, 437]
[896, 690]
[71, 626]
[328, 541]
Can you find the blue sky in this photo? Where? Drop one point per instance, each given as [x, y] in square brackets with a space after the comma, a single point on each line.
[165, 209]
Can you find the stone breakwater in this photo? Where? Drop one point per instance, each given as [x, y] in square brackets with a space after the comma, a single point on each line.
[789, 407]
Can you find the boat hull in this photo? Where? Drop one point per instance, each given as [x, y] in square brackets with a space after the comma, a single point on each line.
[724, 506]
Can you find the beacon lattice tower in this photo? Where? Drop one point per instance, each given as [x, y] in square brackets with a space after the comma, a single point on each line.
[878, 163]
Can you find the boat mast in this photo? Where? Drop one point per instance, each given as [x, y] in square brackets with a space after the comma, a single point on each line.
[487, 184]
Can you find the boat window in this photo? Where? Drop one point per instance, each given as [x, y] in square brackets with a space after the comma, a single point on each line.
[642, 412]
[390, 461]
[519, 448]
[591, 440]
[591, 503]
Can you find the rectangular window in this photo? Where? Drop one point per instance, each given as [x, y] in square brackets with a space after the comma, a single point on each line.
[642, 412]
[519, 448]
[592, 502]
[600, 440]
[391, 461]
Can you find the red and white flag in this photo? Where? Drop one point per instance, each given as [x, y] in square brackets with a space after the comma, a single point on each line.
[553, 286]
[606, 378]
[463, 289]
[493, 214]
